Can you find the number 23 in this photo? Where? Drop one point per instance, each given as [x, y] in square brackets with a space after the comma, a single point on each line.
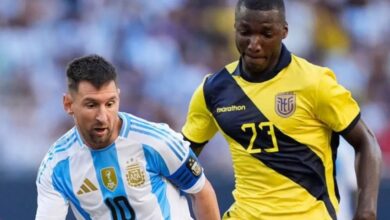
[271, 132]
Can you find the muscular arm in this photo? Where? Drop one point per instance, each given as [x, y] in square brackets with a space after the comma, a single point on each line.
[204, 203]
[368, 162]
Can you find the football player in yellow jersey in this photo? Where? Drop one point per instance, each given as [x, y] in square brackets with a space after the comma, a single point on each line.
[282, 117]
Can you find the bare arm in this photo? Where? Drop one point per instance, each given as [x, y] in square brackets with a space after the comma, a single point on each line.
[368, 162]
[204, 204]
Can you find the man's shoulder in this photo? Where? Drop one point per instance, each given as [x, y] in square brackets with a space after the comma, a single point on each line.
[132, 122]
[158, 136]
[305, 65]
[222, 73]
[306, 74]
[228, 68]
[135, 127]
[62, 147]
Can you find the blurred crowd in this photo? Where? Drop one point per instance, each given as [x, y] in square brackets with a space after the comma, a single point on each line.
[162, 50]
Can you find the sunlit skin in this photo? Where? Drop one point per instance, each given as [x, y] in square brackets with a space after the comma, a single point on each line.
[259, 36]
[95, 113]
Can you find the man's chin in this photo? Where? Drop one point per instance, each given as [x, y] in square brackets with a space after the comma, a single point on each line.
[255, 63]
[100, 142]
[254, 68]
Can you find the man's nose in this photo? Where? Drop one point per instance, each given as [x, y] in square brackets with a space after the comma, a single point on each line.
[254, 43]
[101, 115]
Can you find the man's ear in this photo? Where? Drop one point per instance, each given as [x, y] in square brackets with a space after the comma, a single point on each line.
[285, 30]
[67, 102]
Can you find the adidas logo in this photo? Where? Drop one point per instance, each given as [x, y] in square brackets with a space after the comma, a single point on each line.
[86, 187]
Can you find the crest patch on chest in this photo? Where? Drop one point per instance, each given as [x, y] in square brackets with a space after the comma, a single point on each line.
[285, 104]
[109, 178]
[135, 175]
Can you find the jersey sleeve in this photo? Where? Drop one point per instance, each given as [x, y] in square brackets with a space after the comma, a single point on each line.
[174, 160]
[51, 204]
[200, 126]
[189, 176]
[335, 105]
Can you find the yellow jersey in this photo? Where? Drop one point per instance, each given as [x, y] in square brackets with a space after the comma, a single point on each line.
[283, 134]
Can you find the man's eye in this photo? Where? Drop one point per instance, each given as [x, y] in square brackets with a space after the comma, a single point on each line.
[110, 104]
[244, 32]
[268, 34]
[90, 105]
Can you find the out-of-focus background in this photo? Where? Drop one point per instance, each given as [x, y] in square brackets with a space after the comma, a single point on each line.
[162, 50]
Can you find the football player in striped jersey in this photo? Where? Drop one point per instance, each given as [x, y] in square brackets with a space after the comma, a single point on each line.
[114, 165]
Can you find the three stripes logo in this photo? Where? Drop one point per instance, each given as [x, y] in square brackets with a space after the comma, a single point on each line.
[86, 187]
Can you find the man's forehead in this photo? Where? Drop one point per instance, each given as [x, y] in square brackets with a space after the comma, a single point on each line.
[86, 90]
[257, 17]
[245, 12]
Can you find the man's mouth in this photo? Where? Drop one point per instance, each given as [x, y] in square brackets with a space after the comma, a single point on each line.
[255, 57]
[100, 131]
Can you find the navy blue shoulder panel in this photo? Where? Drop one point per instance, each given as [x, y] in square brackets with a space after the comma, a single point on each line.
[232, 109]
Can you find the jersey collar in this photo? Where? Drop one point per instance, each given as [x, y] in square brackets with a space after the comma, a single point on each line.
[283, 62]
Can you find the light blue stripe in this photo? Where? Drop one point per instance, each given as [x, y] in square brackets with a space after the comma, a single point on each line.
[63, 141]
[154, 162]
[150, 134]
[108, 158]
[124, 124]
[127, 130]
[163, 131]
[78, 136]
[62, 183]
[163, 134]
[159, 138]
[70, 143]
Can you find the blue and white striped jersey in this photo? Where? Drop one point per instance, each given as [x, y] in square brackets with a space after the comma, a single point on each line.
[139, 176]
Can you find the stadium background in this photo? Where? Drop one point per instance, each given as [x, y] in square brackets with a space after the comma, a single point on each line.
[162, 50]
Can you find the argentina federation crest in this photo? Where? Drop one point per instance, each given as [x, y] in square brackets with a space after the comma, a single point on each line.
[135, 175]
[285, 104]
[109, 178]
[194, 166]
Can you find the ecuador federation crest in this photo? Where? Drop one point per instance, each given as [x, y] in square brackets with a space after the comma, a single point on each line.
[135, 175]
[109, 178]
[285, 104]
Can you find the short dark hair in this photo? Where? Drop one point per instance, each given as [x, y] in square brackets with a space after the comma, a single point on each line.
[92, 68]
[262, 5]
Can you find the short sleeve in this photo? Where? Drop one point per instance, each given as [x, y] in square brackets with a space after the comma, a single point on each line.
[335, 105]
[200, 126]
[51, 204]
[173, 159]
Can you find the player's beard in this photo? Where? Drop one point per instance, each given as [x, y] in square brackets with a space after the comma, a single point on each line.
[100, 141]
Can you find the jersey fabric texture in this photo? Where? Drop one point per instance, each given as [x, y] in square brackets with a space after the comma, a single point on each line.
[139, 176]
[283, 134]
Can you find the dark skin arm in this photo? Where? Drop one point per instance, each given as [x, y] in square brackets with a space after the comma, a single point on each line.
[368, 161]
[196, 147]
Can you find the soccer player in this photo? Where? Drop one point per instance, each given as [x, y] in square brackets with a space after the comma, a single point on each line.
[282, 117]
[113, 165]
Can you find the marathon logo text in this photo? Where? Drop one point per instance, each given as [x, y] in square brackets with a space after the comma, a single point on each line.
[231, 108]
